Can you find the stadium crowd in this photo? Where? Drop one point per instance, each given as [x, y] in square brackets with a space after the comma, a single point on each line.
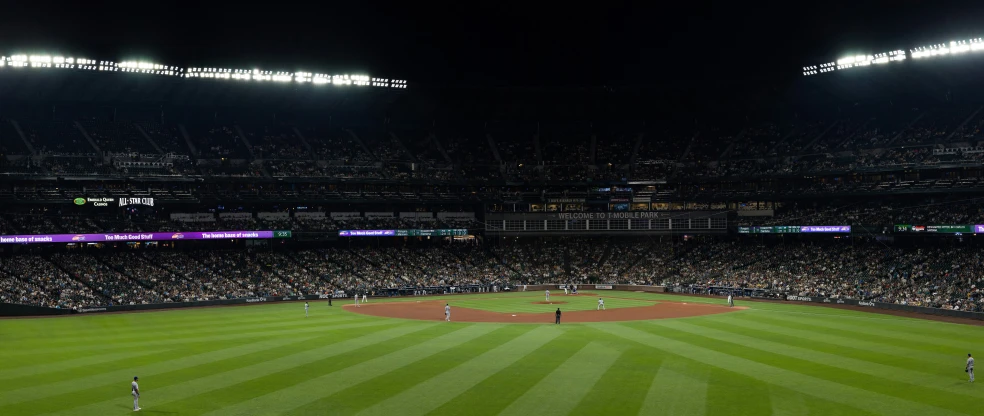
[940, 277]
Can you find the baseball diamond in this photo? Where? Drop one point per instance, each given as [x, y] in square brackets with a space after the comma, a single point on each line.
[270, 359]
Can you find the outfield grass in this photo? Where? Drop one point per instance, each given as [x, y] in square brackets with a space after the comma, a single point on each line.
[772, 358]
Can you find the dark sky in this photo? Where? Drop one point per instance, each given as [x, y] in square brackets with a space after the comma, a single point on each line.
[613, 43]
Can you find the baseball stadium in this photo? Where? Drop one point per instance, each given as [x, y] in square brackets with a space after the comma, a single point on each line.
[204, 231]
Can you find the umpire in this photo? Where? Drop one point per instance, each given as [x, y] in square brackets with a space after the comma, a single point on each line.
[558, 316]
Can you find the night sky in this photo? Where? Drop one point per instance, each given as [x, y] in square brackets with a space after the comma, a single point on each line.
[500, 44]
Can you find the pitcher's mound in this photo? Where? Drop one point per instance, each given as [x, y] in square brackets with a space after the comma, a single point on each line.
[559, 302]
[434, 311]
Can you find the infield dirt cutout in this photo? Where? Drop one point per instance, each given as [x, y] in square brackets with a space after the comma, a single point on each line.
[433, 310]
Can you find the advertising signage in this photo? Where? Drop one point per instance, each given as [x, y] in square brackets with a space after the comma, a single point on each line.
[445, 232]
[126, 237]
[795, 229]
[106, 202]
[938, 228]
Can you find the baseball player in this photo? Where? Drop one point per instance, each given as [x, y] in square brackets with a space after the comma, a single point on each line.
[565, 290]
[574, 289]
[548, 296]
[135, 392]
[970, 367]
[330, 295]
[306, 309]
[364, 298]
[731, 300]
[524, 287]
[356, 298]
[557, 321]
[601, 304]
[447, 312]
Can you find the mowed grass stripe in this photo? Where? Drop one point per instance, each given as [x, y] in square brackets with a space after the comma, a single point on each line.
[316, 388]
[909, 334]
[816, 368]
[139, 322]
[34, 370]
[358, 396]
[896, 375]
[157, 341]
[123, 376]
[890, 353]
[436, 391]
[731, 393]
[676, 389]
[515, 380]
[891, 322]
[787, 403]
[831, 391]
[127, 334]
[250, 389]
[161, 396]
[560, 392]
[860, 333]
[633, 369]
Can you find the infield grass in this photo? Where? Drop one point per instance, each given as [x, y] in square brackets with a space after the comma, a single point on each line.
[770, 359]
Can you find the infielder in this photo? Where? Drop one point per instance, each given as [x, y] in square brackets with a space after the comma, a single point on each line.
[135, 392]
[305, 309]
[364, 299]
[548, 296]
[524, 287]
[447, 312]
[969, 369]
[601, 304]
[356, 297]
[731, 300]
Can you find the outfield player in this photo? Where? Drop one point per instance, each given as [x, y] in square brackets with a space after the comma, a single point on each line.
[305, 309]
[970, 367]
[135, 392]
[548, 296]
[447, 312]
[601, 304]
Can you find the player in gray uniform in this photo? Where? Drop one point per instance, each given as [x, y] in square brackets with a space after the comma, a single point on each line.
[447, 312]
[135, 392]
[306, 309]
[970, 367]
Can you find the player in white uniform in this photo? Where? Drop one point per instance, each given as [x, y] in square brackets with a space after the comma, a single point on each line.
[731, 301]
[135, 392]
[356, 297]
[447, 312]
[548, 296]
[364, 299]
[601, 304]
[306, 309]
[524, 287]
[970, 367]
[565, 290]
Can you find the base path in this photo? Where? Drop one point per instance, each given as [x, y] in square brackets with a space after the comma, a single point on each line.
[434, 311]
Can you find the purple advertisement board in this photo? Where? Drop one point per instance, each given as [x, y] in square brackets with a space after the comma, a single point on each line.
[979, 228]
[366, 233]
[111, 237]
[825, 229]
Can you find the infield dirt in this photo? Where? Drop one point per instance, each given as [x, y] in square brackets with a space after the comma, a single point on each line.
[434, 311]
